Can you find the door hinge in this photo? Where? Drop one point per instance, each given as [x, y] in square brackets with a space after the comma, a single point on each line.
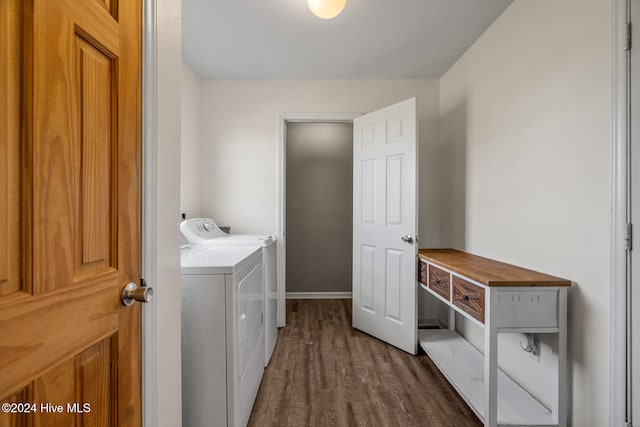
[628, 238]
[627, 44]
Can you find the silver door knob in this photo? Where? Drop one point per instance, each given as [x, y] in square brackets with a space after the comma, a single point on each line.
[407, 238]
[132, 293]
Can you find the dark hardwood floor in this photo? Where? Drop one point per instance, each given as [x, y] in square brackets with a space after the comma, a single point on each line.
[325, 373]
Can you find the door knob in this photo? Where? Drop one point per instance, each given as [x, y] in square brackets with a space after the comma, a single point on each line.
[407, 239]
[132, 293]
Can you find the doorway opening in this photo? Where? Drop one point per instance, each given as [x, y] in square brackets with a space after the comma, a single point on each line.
[315, 220]
[384, 184]
[319, 210]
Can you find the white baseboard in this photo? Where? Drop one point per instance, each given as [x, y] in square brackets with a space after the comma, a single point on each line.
[318, 295]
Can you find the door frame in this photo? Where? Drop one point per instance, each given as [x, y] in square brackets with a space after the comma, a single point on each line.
[620, 279]
[149, 218]
[283, 119]
[161, 76]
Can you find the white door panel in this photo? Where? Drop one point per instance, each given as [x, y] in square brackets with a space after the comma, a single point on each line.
[394, 200]
[367, 260]
[368, 198]
[384, 210]
[393, 285]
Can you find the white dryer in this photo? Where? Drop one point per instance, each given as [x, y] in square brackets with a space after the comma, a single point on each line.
[204, 231]
[222, 334]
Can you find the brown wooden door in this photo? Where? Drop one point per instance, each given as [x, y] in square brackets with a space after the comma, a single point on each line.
[70, 174]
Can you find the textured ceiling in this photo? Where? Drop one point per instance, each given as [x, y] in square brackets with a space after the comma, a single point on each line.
[282, 39]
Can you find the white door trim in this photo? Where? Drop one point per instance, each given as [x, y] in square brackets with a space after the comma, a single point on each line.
[620, 215]
[149, 218]
[283, 119]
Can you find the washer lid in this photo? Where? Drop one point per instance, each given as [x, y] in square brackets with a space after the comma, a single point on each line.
[241, 240]
[205, 231]
[217, 259]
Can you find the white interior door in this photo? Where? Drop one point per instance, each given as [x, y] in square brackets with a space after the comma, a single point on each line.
[385, 224]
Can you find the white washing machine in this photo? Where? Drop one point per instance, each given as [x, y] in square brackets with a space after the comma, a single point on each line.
[204, 231]
[222, 334]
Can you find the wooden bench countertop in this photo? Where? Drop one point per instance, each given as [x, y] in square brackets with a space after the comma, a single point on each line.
[487, 271]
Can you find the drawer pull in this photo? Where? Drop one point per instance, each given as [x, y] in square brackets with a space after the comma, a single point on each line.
[440, 283]
[469, 297]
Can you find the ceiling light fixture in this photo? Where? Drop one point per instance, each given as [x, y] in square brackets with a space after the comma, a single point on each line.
[326, 9]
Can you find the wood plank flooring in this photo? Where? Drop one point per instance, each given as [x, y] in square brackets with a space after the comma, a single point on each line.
[325, 373]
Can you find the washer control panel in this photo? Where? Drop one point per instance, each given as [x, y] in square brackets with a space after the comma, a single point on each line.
[200, 230]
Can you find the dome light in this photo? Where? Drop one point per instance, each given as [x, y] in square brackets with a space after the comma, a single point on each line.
[326, 9]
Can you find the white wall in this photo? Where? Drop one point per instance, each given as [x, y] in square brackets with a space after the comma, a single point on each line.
[526, 129]
[167, 370]
[190, 142]
[240, 136]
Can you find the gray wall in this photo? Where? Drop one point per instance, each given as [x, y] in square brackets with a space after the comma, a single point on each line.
[319, 207]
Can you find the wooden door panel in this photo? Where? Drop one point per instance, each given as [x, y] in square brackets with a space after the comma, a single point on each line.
[73, 139]
[51, 390]
[95, 381]
[10, 125]
[62, 395]
[17, 419]
[111, 6]
[70, 204]
[74, 318]
[98, 127]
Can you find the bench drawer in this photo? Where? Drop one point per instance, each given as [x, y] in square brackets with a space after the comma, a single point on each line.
[468, 297]
[439, 281]
[422, 272]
